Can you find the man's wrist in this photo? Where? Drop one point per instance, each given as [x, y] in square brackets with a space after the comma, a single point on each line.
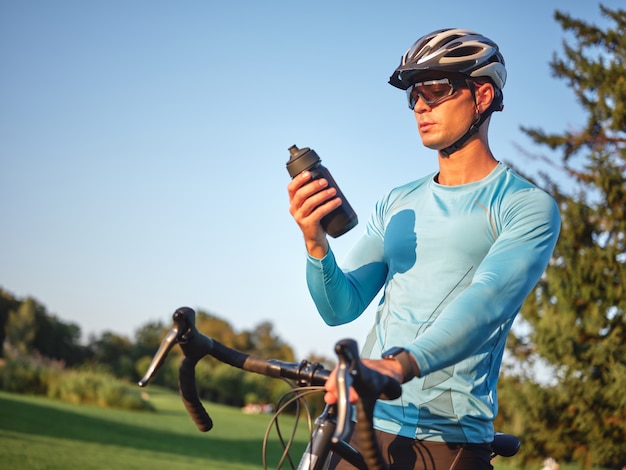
[406, 360]
[317, 249]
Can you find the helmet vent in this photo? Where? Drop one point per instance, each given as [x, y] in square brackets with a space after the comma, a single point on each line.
[464, 52]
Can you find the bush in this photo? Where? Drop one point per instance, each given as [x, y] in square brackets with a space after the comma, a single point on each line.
[29, 374]
[97, 388]
[37, 375]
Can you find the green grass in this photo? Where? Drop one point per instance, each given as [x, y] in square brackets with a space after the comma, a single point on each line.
[40, 433]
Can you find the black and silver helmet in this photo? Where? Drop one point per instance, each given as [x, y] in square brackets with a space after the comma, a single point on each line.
[458, 51]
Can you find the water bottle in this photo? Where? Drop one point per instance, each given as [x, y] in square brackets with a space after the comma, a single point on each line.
[343, 218]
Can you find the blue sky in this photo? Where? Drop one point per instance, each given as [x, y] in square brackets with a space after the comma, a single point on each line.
[143, 144]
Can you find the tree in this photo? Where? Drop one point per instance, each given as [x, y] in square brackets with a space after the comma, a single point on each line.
[21, 326]
[29, 328]
[267, 344]
[56, 339]
[113, 351]
[576, 313]
[221, 330]
[8, 303]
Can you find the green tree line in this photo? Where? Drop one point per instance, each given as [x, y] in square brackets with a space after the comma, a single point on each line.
[28, 329]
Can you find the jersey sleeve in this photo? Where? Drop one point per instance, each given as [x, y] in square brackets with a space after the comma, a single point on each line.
[342, 295]
[513, 265]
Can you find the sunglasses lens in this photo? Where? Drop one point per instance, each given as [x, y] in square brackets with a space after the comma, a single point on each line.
[434, 92]
[431, 92]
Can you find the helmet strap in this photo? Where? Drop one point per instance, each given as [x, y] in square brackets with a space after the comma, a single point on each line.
[496, 105]
[473, 129]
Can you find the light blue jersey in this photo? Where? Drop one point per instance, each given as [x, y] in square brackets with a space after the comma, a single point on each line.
[456, 263]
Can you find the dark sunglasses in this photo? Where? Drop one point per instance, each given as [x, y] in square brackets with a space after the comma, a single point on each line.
[433, 91]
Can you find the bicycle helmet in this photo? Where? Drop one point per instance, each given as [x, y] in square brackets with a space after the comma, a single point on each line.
[453, 51]
[459, 52]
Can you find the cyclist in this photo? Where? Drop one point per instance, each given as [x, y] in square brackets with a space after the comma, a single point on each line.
[455, 252]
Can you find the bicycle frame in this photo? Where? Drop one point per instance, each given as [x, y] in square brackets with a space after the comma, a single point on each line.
[321, 444]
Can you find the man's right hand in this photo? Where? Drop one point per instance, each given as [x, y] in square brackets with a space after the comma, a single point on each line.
[309, 202]
[391, 368]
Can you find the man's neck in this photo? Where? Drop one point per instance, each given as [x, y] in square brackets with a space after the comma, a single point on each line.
[471, 163]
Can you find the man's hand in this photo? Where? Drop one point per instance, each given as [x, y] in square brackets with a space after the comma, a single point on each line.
[388, 367]
[309, 202]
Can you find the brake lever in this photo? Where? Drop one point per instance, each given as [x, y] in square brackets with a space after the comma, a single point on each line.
[347, 352]
[181, 333]
[157, 361]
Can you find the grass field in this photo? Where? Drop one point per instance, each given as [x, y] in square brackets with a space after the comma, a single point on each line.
[40, 433]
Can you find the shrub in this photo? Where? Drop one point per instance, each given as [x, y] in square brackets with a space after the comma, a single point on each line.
[97, 388]
[29, 374]
[37, 375]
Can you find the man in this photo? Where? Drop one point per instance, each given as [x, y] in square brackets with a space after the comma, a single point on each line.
[456, 253]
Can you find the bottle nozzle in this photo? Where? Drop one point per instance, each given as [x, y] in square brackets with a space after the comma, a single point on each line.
[293, 150]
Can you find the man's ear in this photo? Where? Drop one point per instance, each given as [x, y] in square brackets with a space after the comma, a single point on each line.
[485, 94]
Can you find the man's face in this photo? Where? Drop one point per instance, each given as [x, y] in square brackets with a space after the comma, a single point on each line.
[444, 109]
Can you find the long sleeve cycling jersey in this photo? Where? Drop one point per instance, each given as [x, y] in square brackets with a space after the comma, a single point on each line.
[456, 263]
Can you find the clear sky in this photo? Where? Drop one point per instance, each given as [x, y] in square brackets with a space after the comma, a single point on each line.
[143, 144]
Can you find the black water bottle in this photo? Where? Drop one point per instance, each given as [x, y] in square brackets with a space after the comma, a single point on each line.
[341, 219]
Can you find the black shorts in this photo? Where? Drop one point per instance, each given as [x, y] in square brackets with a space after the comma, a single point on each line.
[403, 453]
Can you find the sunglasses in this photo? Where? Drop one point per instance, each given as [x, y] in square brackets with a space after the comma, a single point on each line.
[433, 91]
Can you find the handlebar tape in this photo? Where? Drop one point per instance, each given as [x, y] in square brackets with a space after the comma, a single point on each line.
[370, 450]
[240, 360]
[189, 395]
[197, 349]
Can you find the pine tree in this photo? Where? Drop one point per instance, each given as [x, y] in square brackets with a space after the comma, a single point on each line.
[577, 312]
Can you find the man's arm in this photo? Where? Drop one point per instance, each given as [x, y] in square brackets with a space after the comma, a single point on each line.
[503, 280]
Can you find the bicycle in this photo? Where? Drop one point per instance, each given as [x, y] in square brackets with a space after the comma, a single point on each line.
[332, 427]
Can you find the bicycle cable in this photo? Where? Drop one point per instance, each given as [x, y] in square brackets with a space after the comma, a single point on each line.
[297, 394]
